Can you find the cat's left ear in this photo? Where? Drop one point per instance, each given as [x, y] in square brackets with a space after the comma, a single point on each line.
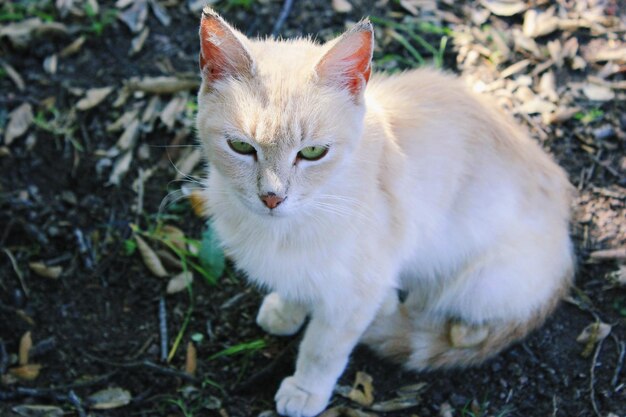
[222, 53]
[348, 63]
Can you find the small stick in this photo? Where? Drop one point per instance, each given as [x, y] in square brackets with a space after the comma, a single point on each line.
[282, 18]
[77, 403]
[592, 378]
[620, 360]
[83, 248]
[163, 329]
[4, 358]
[17, 271]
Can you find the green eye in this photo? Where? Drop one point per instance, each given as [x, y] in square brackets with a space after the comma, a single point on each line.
[313, 153]
[241, 147]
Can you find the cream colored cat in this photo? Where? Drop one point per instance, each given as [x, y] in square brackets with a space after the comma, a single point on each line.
[334, 192]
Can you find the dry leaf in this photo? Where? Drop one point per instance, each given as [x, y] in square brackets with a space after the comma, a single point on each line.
[26, 372]
[411, 390]
[45, 271]
[20, 120]
[14, 75]
[129, 137]
[191, 359]
[171, 111]
[342, 6]
[186, 164]
[122, 164]
[175, 236]
[621, 275]
[401, 403]
[93, 97]
[109, 398]
[26, 343]
[609, 254]
[362, 391]
[150, 259]
[135, 16]
[163, 85]
[73, 47]
[22, 33]
[538, 24]
[598, 92]
[138, 41]
[38, 411]
[515, 68]
[504, 7]
[594, 333]
[50, 64]
[123, 121]
[345, 412]
[179, 282]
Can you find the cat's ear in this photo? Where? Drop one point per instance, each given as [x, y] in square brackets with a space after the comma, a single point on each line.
[348, 63]
[222, 54]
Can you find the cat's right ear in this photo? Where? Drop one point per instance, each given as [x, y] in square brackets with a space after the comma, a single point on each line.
[222, 54]
[348, 63]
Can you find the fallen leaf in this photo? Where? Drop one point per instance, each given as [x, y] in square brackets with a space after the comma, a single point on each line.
[175, 236]
[163, 85]
[411, 390]
[93, 97]
[191, 359]
[160, 13]
[109, 398]
[136, 45]
[345, 412]
[598, 92]
[123, 121]
[38, 411]
[20, 120]
[515, 68]
[45, 271]
[135, 16]
[150, 259]
[50, 64]
[172, 109]
[26, 372]
[179, 282]
[362, 391]
[120, 168]
[64, 6]
[186, 164]
[609, 254]
[504, 7]
[396, 404]
[73, 47]
[342, 6]
[595, 331]
[14, 75]
[21, 33]
[26, 343]
[538, 24]
[129, 137]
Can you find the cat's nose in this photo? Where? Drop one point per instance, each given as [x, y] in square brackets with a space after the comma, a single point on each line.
[271, 200]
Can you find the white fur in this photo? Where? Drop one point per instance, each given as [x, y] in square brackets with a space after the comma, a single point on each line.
[424, 188]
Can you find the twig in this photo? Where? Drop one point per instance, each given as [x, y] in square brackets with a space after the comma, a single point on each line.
[282, 18]
[592, 379]
[621, 347]
[4, 358]
[163, 329]
[84, 248]
[77, 403]
[17, 271]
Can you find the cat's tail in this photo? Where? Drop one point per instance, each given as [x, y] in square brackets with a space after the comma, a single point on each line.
[423, 341]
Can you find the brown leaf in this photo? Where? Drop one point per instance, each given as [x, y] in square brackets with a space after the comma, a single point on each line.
[93, 97]
[179, 282]
[38, 411]
[172, 109]
[538, 24]
[174, 235]
[609, 254]
[191, 359]
[163, 85]
[109, 398]
[20, 120]
[186, 164]
[342, 6]
[26, 372]
[73, 47]
[26, 343]
[23, 32]
[14, 75]
[120, 168]
[150, 259]
[45, 271]
[504, 7]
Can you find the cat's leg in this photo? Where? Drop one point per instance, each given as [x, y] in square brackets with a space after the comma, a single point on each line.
[279, 317]
[332, 333]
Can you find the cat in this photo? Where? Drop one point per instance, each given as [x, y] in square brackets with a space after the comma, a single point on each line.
[336, 188]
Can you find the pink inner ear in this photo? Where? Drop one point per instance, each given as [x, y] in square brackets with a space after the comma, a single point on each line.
[361, 69]
[212, 58]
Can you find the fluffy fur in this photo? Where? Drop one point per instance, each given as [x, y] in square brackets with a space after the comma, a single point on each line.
[425, 188]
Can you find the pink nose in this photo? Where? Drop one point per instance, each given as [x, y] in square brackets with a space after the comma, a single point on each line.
[271, 200]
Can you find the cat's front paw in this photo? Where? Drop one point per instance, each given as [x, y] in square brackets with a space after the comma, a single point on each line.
[278, 317]
[295, 401]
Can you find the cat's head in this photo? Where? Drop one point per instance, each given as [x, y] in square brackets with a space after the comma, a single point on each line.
[278, 119]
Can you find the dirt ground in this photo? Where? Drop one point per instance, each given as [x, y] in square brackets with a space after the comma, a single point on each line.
[73, 182]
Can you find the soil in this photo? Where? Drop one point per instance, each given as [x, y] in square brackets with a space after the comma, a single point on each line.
[97, 325]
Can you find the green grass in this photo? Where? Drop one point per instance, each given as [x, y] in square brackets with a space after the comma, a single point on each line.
[99, 21]
[246, 347]
[589, 116]
[14, 11]
[410, 37]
